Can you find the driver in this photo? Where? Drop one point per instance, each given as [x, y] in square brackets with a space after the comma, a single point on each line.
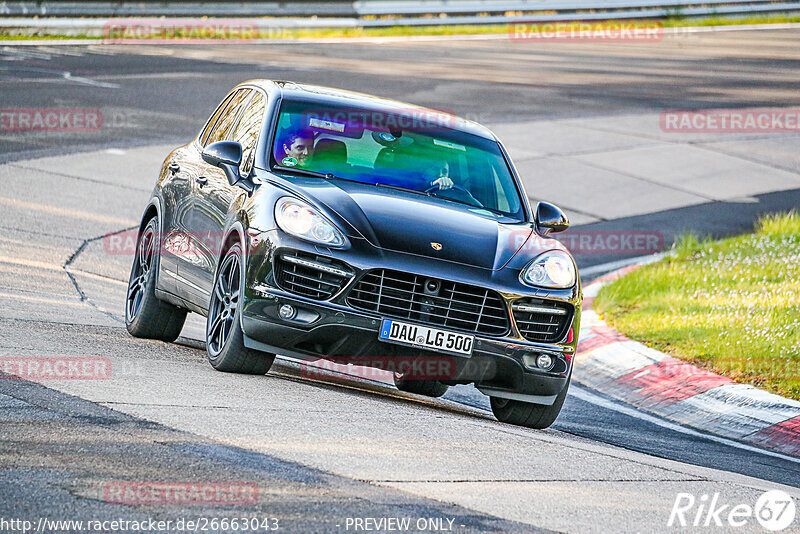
[297, 147]
[443, 179]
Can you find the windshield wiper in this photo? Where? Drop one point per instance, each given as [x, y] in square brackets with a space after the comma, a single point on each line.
[307, 172]
[477, 206]
[400, 188]
[431, 194]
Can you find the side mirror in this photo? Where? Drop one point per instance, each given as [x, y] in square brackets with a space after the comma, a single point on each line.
[227, 155]
[550, 218]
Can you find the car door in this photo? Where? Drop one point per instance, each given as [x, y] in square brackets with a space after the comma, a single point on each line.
[177, 190]
[212, 195]
[178, 184]
[175, 185]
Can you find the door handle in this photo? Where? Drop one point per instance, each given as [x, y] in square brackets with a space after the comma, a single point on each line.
[202, 180]
[174, 168]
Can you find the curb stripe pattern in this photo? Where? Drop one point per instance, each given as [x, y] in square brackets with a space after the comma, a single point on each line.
[781, 437]
[654, 382]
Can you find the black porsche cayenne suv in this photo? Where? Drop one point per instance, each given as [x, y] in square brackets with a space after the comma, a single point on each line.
[326, 224]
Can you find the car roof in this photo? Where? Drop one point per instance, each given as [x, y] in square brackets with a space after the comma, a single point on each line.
[329, 95]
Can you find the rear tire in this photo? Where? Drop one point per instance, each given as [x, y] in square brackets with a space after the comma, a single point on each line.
[145, 315]
[429, 388]
[527, 414]
[224, 336]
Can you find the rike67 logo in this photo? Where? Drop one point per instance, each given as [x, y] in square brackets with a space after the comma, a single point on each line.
[774, 511]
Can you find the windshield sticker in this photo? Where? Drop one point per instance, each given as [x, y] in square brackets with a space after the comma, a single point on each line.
[448, 144]
[326, 125]
[289, 161]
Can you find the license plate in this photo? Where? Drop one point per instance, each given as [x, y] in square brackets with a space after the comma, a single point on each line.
[426, 337]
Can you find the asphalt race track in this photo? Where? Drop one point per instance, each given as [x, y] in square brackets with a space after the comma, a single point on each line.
[581, 121]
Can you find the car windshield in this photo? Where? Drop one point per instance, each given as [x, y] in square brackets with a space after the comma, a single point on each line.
[413, 152]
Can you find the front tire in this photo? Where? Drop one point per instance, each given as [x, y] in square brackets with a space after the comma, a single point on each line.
[145, 315]
[527, 414]
[224, 336]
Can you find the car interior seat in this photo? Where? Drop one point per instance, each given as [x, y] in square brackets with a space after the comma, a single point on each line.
[331, 151]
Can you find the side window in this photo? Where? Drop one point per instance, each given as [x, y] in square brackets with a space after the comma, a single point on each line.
[227, 118]
[213, 120]
[247, 131]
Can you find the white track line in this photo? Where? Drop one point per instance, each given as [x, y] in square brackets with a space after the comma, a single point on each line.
[584, 395]
[604, 268]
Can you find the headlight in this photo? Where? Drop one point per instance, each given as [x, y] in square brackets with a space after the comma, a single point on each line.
[553, 269]
[301, 220]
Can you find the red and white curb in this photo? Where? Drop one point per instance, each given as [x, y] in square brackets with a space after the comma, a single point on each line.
[654, 382]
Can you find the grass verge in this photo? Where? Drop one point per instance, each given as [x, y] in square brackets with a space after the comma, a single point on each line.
[403, 31]
[730, 306]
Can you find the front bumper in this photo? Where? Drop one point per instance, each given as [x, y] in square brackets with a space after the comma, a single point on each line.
[333, 330]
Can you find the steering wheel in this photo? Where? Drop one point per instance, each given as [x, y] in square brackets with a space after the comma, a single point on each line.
[456, 188]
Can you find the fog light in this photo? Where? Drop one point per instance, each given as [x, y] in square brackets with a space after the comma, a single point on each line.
[287, 312]
[544, 362]
[539, 360]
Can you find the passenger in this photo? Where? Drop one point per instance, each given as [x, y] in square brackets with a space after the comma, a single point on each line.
[297, 147]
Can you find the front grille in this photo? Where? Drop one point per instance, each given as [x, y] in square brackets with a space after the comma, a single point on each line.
[542, 320]
[431, 301]
[310, 275]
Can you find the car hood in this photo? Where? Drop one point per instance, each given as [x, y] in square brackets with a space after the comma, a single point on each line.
[406, 222]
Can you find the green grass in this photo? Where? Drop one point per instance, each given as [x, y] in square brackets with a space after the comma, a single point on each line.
[320, 33]
[730, 306]
[15, 37]
[433, 29]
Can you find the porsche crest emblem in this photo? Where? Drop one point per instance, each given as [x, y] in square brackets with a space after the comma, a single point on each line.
[436, 246]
